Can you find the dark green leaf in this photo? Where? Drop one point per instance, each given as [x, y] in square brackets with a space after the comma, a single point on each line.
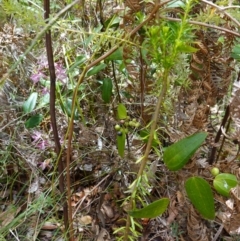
[107, 90]
[178, 154]
[33, 121]
[224, 182]
[96, 69]
[201, 196]
[117, 55]
[152, 210]
[121, 111]
[30, 103]
[121, 137]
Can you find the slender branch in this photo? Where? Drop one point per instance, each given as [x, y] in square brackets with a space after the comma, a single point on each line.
[220, 9]
[53, 112]
[205, 25]
[219, 133]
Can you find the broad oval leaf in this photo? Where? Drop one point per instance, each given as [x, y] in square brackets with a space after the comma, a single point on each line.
[33, 121]
[178, 154]
[201, 196]
[96, 69]
[30, 103]
[121, 111]
[107, 90]
[152, 210]
[224, 182]
[121, 138]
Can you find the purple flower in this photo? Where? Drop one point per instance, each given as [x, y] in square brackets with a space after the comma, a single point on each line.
[37, 77]
[43, 62]
[36, 136]
[60, 73]
[45, 91]
[42, 144]
[39, 141]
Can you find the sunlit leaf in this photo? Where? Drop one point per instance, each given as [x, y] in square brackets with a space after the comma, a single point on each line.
[107, 90]
[186, 48]
[30, 103]
[178, 154]
[224, 182]
[121, 111]
[201, 196]
[152, 210]
[34, 121]
[176, 4]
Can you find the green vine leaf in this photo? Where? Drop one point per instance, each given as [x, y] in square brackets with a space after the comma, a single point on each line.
[117, 55]
[107, 90]
[121, 111]
[152, 210]
[121, 138]
[201, 196]
[34, 121]
[224, 182]
[178, 154]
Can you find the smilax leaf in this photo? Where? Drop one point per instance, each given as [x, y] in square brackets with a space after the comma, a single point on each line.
[107, 90]
[121, 111]
[224, 182]
[201, 196]
[152, 210]
[34, 121]
[121, 137]
[178, 154]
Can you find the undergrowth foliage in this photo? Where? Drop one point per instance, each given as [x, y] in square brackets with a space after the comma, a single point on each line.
[123, 122]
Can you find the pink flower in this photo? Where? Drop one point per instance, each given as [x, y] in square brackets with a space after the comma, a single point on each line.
[37, 77]
[45, 91]
[38, 140]
[42, 144]
[36, 136]
[60, 73]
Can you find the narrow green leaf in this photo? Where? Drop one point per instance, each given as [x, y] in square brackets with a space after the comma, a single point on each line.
[121, 138]
[68, 109]
[117, 55]
[152, 210]
[96, 69]
[107, 90]
[121, 111]
[30, 103]
[33, 121]
[186, 48]
[224, 182]
[178, 154]
[78, 62]
[201, 196]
